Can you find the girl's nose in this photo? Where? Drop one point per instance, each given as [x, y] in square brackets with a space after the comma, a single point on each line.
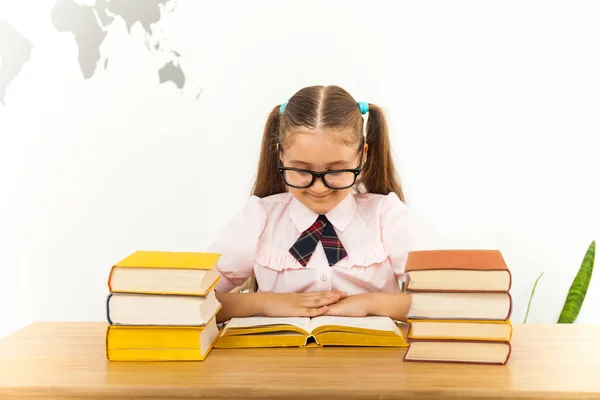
[319, 186]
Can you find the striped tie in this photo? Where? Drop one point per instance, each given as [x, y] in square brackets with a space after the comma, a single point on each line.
[321, 230]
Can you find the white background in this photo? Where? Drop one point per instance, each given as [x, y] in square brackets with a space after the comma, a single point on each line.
[494, 114]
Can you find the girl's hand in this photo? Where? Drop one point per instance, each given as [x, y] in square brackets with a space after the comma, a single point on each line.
[359, 305]
[299, 304]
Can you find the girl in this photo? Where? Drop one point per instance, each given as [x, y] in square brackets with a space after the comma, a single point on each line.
[326, 231]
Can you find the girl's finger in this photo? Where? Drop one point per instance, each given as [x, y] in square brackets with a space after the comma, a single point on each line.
[314, 312]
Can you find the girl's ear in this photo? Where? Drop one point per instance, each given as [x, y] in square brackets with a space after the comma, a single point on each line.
[365, 153]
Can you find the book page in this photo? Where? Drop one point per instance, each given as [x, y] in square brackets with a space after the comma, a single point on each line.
[250, 322]
[370, 322]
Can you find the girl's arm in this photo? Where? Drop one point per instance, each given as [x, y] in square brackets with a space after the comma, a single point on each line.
[275, 304]
[239, 305]
[393, 305]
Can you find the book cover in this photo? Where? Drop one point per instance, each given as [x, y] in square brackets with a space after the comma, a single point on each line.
[460, 306]
[169, 259]
[458, 351]
[457, 270]
[160, 343]
[164, 272]
[160, 309]
[471, 330]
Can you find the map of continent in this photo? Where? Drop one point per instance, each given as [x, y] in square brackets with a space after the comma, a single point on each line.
[89, 26]
[15, 51]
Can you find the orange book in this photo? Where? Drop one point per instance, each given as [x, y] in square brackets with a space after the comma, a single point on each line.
[165, 272]
[461, 270]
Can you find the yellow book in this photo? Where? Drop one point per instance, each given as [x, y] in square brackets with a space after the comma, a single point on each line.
[312, 332]
[160, 343]
[165, 272]
[472, 330]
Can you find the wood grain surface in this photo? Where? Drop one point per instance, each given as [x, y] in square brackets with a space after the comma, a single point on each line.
[67, 360]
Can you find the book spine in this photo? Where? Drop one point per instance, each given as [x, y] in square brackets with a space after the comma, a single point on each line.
[106, 341]
[108, 308]
[110, 274]
[510, 306]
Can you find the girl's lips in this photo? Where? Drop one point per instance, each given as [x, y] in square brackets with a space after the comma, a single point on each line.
[319, 196]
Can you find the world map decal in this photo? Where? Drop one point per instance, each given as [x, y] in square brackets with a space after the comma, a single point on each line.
[89, 26]
[15, 51]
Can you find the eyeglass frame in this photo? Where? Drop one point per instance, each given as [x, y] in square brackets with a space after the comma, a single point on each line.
[321, 175]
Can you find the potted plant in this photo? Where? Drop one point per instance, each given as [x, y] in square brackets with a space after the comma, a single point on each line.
[577, 291]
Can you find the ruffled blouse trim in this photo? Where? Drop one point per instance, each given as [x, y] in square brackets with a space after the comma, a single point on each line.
[363, 257]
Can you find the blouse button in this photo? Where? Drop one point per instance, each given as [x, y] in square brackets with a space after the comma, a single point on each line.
[323, 278]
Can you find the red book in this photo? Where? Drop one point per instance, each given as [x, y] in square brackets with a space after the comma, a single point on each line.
[462, 270]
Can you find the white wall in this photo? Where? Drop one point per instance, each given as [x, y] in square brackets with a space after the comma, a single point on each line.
[493, 108]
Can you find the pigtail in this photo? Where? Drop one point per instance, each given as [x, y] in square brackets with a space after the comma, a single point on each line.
[268, 181]
[379, 173]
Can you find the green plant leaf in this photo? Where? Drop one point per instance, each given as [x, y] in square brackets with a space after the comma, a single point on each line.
[531, 296]
[578, 288]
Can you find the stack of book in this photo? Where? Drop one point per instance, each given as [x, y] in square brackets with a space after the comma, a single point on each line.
[461, 306]
[162, 307]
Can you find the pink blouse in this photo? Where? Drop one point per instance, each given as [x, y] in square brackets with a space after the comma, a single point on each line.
[377, 232]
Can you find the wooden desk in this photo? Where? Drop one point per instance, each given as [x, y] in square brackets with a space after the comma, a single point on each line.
[54, 360]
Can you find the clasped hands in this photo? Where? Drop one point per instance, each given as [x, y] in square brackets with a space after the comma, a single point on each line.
[314, 304]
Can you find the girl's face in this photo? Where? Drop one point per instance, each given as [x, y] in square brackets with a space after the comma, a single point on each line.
[319, 151]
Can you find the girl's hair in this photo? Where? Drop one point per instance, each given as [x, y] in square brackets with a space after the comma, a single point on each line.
[333, 109]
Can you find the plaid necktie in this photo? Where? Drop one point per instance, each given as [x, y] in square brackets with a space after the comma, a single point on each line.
[321, 230]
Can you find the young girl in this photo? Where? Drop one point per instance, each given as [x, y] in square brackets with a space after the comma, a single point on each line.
[326, 231]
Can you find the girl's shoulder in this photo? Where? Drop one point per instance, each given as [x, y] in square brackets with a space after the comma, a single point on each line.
[269, 205]
[256, 212]
[399, 223]
[273, 201]
[374, 197]
[279, 198]
[381, 203]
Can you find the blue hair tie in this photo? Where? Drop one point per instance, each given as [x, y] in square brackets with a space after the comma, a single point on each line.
[282, 108]
[364, 107]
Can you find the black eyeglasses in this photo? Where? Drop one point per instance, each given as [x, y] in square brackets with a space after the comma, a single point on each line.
[337, 179]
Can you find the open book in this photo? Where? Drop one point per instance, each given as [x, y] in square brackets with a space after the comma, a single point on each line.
[313, 332]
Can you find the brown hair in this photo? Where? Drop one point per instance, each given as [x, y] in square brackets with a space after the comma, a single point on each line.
[329, 108]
